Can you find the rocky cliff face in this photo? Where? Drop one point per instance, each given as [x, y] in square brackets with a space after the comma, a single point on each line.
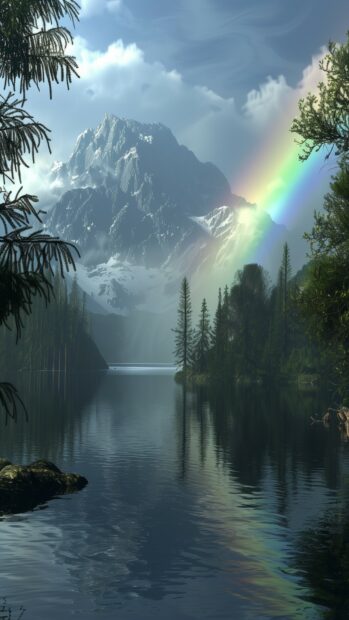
[130, 189]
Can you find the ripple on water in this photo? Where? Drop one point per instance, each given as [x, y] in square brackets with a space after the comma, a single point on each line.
[190, 512]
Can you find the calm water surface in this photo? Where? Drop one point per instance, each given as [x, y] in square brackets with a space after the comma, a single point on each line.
[198, 506]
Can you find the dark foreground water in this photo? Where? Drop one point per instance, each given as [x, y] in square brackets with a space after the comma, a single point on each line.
[197, 507]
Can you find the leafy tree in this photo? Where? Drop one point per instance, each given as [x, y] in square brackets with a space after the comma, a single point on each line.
[324, 117]
[202, 340]
[184, 331]
[33, 48]
[324, 122]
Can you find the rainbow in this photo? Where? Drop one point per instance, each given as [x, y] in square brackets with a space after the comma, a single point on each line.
[283, 187]
[276, 180]
[284, 198]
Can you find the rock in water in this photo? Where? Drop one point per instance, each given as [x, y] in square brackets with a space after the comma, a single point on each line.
[23, 487]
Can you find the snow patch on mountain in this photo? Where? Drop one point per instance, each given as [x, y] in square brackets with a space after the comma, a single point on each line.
[117, 286]
[144, 212]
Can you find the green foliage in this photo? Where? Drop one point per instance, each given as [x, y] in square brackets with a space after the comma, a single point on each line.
[281, 327]
[218, 344]
[248, 304]
[202, 341]
[324, 298]
[184, 331]
[17, 291]
[258, 332]
[324, 117]
[33, 44]
[330, 234]
[33, 48]
[55, 337]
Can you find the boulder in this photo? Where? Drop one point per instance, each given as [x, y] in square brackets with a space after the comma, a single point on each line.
[22, 487]
[3, 463]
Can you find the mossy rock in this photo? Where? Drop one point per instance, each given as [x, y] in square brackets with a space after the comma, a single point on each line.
[3, 463]
[23, 487]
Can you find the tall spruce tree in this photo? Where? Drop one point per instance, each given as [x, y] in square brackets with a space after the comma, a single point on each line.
[33, 47]
[249, 319]
[284, 298]
[184, 330]
[202, 341]
[218, 335]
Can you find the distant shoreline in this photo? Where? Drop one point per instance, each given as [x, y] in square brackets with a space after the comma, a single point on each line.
[142, 369]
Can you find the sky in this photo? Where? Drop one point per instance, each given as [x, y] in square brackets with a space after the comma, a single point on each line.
[220, 73]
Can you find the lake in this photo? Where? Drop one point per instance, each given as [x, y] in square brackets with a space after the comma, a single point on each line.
[199, 505]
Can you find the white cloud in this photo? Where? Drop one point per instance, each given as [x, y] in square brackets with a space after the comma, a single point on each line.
[119, 80]
[264, 103]
[114, 5]
[89, 8]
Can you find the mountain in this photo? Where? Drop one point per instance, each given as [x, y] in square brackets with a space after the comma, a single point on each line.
[144, 211]
[130, 189]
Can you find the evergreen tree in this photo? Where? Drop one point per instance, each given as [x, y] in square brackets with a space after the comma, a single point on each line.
[226, 318]
[202, 341]
[33, 48]
[284, 299]
[184, 331]
[249, 319]
[218, 344]
[283, 317]
[55, 338]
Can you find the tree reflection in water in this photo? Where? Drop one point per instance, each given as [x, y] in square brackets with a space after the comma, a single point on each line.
[323, 556]
[253, 426]
[56, 405]
[254, 429]
[6, 613]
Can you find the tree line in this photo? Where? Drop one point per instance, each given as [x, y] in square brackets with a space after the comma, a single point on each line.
[55, 336]
[257, 331]
[301, 324]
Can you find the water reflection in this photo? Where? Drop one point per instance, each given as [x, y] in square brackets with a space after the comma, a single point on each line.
[266, 443]
[6, 613]
[55, 404]
[323, 556]
[199, 504]
[254, 428]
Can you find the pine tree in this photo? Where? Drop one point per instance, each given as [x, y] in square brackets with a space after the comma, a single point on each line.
[184, 331]
[218, 335]
[202, 340]
[249, 319]
[32, 51]
[284, 296]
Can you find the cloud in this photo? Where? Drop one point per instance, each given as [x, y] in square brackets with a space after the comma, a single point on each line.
[90, 8]
[262, 104]
[121, 81]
